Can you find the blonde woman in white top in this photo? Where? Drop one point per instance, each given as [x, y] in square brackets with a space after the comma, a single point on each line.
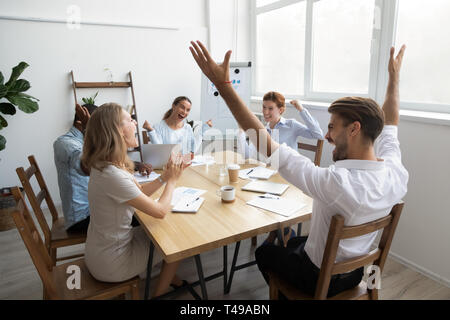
[114, 250]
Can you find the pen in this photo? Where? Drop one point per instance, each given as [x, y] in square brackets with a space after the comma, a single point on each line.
[250, 172]
[266, 197]
[187, 205]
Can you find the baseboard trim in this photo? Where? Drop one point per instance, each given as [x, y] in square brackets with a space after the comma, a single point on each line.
[420, 269]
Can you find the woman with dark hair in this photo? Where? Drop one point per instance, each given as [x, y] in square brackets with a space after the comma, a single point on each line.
[172, 129]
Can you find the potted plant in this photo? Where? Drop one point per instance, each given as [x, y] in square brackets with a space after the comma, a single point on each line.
[13, 91]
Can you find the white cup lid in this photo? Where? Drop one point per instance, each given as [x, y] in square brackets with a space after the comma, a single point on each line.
[234, 166]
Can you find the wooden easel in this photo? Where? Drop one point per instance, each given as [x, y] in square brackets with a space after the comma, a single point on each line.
[129, 84]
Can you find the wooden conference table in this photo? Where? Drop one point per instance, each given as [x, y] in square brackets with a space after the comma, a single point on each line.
[216, 224]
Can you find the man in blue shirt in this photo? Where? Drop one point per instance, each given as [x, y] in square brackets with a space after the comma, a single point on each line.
[72, 180]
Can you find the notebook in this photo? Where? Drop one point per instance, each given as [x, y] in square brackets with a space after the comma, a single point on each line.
[256, 173]
[187, 205]
[284, 207]
[266, 187]
[158, 154]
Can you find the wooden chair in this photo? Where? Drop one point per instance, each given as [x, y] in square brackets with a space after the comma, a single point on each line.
[329, 267]
[54, 278]
[56, 236]
[317, 149]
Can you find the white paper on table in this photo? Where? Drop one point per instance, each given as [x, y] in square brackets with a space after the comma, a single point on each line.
[185, 194]
[143, 179]
[188, 205]
[200, 160]
[282, 206]
[256, 173]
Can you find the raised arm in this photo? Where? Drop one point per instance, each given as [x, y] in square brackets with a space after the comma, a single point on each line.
[391, 103]
[219, 74]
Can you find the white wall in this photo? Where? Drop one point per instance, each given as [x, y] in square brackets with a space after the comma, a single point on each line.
[160, 61]
[422, 239]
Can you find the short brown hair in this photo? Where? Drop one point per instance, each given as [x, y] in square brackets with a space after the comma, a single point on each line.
[364, 110]
[276, 97]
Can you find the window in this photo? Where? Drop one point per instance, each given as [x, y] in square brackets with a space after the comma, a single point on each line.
[281, 59]
[342, 33]
[324, 49]
[424, 26]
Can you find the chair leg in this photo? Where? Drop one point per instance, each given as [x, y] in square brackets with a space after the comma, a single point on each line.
[273, 290]
[53, 255]
[135, 291]
[254, 241]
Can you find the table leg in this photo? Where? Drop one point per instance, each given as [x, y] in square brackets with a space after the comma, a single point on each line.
[149, 270]
[201, 278]
[233, 266]
[225, 266]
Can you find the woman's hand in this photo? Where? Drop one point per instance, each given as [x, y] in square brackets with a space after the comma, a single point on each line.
[147, 126]
[297, 105]
[209, 123]
[173, 169]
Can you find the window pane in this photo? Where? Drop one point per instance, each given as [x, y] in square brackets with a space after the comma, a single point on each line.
[342, 35]
[261, 3]
[280, 47]
[424, 27]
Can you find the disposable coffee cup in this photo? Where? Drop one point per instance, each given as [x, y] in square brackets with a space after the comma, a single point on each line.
[233, 172]
[227, 194]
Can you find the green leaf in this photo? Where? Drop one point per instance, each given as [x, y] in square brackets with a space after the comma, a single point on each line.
[16, 72]
[23, 102]
[3, 123]
[24, 95]
[2, 142]
[1, 78]
[3, 90]
[20, 86]
[7, 108]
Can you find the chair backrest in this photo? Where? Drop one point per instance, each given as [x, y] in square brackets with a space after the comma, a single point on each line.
[338, 232]
[25, 176]
[317, 149]
[33, 241]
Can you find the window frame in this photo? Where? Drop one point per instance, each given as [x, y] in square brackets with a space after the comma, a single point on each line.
[383, 37]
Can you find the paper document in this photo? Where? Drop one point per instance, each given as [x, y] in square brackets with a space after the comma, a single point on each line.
[200, 160]
[282, 206]
[256, 173]
[188, 205]
[266, 187]
[143, 179]
[185, 194]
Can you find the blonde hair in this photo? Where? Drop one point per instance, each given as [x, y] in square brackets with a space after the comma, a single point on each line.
[103, 142]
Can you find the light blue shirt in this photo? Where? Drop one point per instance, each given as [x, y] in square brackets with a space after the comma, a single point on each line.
[73, 183]
[163, 134]
[287, 131]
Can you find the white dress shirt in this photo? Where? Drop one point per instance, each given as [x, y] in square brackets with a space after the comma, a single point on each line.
[359, 190]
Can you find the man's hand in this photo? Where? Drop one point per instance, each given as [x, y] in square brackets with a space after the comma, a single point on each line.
[395, 63]
[219, 74]
[391, 105]
[144, 168]
[82, 116]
